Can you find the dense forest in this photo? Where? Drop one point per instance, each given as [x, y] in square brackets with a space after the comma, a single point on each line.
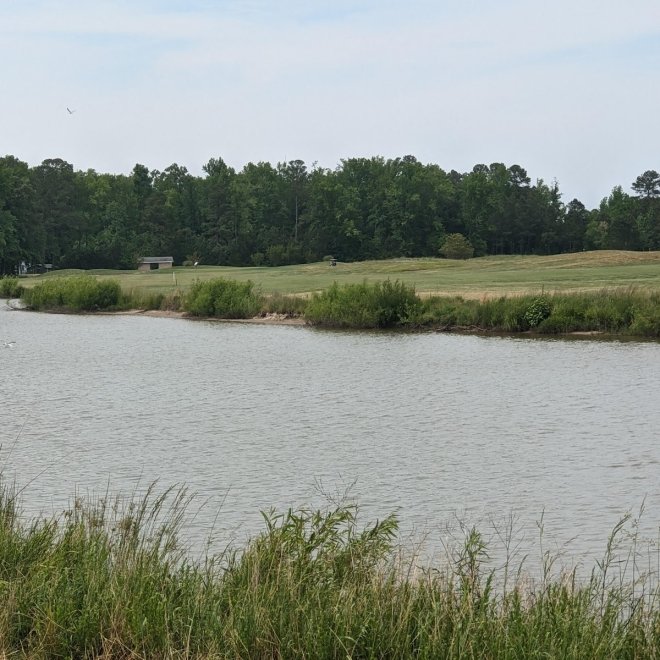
[366, 208]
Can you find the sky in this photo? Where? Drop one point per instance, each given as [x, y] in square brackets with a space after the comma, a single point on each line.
[569, 90]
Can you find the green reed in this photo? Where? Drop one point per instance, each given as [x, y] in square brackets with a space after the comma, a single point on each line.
[10, 287]
[278, 303]
[368, 305]
[110, 578]
[78, 293]
[223, 298]
[628, 312]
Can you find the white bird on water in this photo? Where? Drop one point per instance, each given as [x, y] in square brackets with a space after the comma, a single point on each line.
[9, 344]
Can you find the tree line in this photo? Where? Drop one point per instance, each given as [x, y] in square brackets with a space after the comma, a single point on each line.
[365, 208]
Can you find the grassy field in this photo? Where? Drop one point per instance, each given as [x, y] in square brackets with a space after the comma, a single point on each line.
[474, 278]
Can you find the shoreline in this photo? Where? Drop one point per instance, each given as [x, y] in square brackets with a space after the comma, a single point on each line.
[286, 320]
[297, 321]
[16, 305]
[276, 319]
[267, 319]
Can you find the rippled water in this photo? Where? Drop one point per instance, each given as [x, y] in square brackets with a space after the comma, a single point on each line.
[435, 427]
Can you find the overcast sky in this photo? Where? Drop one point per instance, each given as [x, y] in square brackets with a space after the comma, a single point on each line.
[568, 90]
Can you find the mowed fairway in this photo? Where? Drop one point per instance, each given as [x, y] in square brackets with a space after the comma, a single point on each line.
[473, 278]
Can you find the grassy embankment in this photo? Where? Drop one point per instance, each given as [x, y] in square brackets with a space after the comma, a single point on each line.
[473, 278]
[612, 292]
[109, 579]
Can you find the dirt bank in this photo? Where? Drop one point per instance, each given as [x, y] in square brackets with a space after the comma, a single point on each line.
[272, 319]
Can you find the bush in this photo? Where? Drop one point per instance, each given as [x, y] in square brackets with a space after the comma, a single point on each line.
[356, 306]
[223, 298]
[89, 294]
[277, 255]
[79, 293]
[456, 246]
[646, 322]
[379, 305]
[609, 311]
[538, 311]
[258, 259]
[643, 326]
[504, 314]
[10, 287]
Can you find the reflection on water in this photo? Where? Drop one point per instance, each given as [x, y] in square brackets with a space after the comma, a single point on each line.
[436, 427]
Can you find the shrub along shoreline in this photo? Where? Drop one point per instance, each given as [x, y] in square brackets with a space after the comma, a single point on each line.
[109, 578]
[367, 305]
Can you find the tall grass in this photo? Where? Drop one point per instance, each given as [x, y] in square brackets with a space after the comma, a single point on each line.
[390, 304]
[278, 303]
[614, 312]
[377, 305]
[110, 578]
[10, 287]
[171, 301]
[222, 298]
[78, 293]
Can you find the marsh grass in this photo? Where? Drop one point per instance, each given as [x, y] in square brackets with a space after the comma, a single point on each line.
[77, 293]
[366, 305]
[278, 303]
[222, 298]
[10, 287]
[171, 301]
[110, 578]
[628, 312]
[383, 304]
[387, 304]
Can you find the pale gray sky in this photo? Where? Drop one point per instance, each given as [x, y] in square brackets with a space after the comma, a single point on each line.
[568, 90]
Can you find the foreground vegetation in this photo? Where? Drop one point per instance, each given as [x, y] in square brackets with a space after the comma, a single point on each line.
[384, 304]
[110, 578]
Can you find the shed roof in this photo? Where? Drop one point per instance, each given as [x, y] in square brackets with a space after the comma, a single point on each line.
[156, 260]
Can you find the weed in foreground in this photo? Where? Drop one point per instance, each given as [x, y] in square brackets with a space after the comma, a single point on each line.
[110, 578]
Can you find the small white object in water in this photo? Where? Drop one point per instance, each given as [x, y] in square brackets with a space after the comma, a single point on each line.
[9, 344]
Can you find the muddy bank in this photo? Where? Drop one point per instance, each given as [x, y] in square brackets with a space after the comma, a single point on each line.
[272, 319]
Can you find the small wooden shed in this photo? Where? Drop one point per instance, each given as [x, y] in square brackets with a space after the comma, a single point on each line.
[155, 263]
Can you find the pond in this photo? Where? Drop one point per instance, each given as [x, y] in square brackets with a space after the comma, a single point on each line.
[441, 429]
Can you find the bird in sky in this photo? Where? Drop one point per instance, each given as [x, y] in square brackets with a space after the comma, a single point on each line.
[70, 111]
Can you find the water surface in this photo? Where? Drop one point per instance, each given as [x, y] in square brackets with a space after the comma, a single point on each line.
[435, 427]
